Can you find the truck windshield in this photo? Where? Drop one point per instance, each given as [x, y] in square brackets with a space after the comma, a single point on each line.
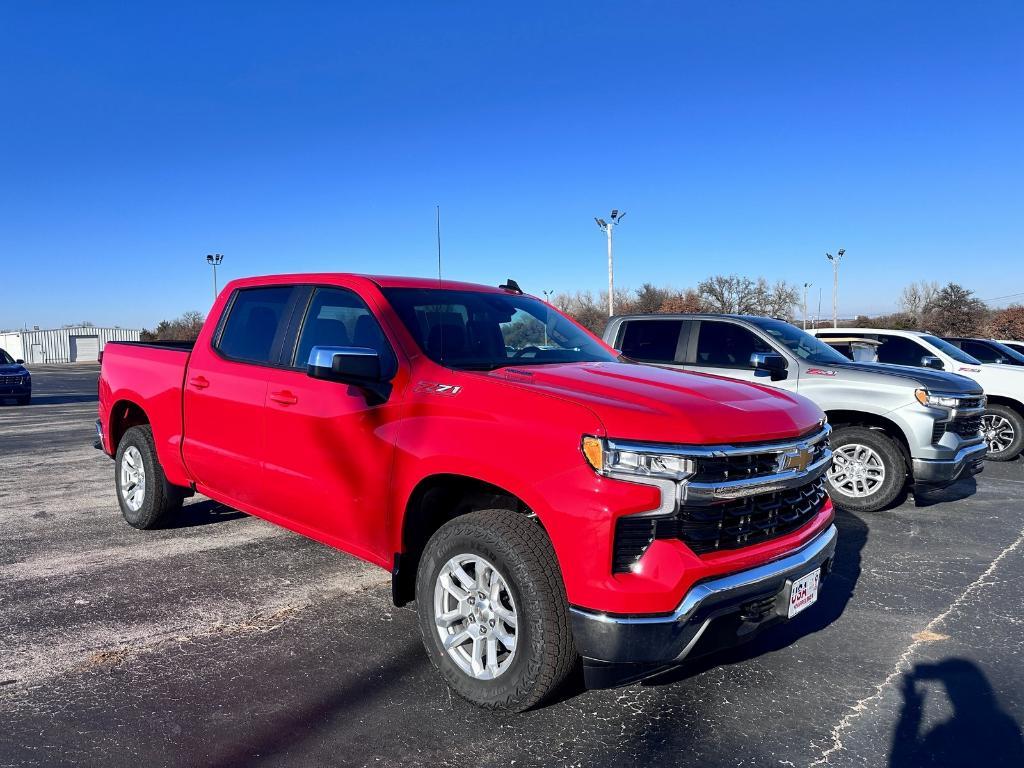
[5, 359]
[474, 330]
[800, 343]
[955, 352]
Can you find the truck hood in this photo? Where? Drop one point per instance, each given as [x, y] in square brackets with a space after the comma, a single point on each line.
[936, 381]
[641, 402]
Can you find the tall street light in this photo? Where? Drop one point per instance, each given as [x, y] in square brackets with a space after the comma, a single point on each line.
[835, 283]
[607, 227]
[806, 286]
[214, 260]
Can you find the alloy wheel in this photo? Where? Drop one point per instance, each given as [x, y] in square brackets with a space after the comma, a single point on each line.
[133, 478]
[998, 432]
[857, 470]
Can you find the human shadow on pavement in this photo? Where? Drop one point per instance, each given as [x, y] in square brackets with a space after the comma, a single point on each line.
[203, 512]
[836, 593]
[978, 733]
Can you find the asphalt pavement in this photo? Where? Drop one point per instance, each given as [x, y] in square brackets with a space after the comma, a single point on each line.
[226, 641]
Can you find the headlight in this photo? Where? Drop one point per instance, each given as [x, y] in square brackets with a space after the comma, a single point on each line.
[643, 461]
[940, 400]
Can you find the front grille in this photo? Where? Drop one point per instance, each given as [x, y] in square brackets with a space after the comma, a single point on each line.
[967, 427]
[10, 379]
[707, 523]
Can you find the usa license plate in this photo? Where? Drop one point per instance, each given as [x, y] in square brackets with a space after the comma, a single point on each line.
[804, 592]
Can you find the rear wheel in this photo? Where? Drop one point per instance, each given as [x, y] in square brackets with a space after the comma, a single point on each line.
[868, 469]
[144, 494]
[493, 611]
[1003, 429]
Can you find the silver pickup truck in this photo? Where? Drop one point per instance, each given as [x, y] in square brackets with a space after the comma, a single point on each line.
[892, 425]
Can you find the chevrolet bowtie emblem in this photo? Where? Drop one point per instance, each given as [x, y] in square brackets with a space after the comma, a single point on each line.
[797, 459]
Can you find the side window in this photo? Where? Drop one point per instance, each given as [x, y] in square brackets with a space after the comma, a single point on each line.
[983, 352]
[339, 318]
[897, 350]
[651, 341]
[255, 324]
[725, 345]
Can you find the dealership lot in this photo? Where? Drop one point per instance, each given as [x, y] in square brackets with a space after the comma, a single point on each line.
[227, 641]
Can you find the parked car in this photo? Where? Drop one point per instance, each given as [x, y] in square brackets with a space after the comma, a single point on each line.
[1016, 346]
[15, 380]
[891, 426]
[1003, 421]
[536, 504]
[987, 350]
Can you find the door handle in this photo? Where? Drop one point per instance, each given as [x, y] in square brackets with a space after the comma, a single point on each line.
[199, 382]
[284, 397]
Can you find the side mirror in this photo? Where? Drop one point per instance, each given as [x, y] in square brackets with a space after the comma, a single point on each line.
[772, 362]
[19, 361]
[930, 361]
[358, 366]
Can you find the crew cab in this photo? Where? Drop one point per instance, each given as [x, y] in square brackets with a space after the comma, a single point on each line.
[1003, 421]
[538, 498]
[892, 426]
[987, 350]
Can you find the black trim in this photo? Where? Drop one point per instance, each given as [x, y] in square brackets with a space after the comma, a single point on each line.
[170, 346]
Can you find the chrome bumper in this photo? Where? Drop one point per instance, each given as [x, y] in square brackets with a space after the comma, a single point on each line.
[622, 649]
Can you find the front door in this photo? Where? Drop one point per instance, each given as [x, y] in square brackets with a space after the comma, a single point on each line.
[330, 447]
[225, 394]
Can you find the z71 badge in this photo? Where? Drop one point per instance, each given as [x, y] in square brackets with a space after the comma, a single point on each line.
[433, 388]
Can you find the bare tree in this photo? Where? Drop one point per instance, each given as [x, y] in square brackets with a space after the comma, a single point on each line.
[733, 294]
[954, 311]
[184, 328]
[916, 296]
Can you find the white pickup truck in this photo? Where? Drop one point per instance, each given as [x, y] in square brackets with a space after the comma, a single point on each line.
[1003, 421]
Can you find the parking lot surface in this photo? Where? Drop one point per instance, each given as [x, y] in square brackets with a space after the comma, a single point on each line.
[226, 641]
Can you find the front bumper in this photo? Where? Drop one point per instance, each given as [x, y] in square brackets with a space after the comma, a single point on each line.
[966, 462]
[15, 390]
[621, 649]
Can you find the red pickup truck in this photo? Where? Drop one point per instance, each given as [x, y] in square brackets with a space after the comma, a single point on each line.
[538, 498]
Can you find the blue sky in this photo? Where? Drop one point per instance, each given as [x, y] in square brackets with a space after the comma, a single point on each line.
[740, 137]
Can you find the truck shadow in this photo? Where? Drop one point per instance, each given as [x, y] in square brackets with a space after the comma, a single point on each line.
[961, 489]
[205, 512]
[979, 731]
[837, 591]
[67, 399]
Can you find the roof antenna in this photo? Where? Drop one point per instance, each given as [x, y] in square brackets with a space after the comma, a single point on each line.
[437, 227]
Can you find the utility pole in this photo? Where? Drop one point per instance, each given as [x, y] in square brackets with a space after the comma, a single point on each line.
[214, 260]
[806, 286]
[607, 227]
[835, 283]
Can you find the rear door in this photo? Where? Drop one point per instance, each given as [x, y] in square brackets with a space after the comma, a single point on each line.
[330, 449]
[225, 393]
[661, 341]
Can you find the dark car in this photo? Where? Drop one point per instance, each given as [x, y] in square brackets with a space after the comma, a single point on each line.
[15, 380]
[988, 350]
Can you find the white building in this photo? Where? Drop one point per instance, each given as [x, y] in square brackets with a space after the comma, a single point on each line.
[80, 344]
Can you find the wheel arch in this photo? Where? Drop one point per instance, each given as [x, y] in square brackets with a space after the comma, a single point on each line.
[434, 501]
[840, 418]
[124, 415]
[1009, 402]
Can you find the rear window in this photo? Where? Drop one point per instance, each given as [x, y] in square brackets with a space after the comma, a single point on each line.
[651, 341]
[255, 322]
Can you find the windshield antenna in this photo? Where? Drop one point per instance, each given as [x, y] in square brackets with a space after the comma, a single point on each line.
[437, 228]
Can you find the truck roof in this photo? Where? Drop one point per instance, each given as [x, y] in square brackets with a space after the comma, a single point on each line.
[382, 281]
[862, 331]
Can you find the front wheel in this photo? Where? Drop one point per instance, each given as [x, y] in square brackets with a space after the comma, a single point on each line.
[868, 469]
[493, 611]
[1003, 429]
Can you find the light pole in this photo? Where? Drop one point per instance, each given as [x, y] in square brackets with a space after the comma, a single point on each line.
[607, 227]
[835, 283]
[817, 315]
[547, 298]
[214, 260]
[806, 286]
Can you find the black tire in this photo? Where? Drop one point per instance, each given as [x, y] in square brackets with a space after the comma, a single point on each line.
[1016, 423]
[520, 551]
[160, 498]
[892, 460]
